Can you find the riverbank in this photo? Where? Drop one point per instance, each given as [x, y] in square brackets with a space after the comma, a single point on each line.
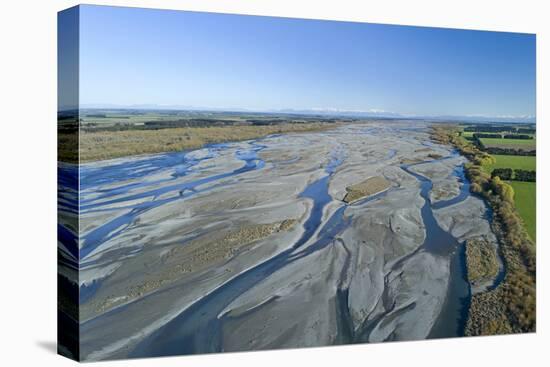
[101, 145]
[511, 306]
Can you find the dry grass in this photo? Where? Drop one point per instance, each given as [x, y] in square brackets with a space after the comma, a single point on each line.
[481, 260]
[112, 144]
[67, 147]
[488, 314]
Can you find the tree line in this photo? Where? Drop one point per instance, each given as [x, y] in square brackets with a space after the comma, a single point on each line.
[510, 174]
[490, 129]
[503, 150]
[500, 136]
[499, 129]
[509, 151]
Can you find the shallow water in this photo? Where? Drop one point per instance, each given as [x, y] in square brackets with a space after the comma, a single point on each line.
[452, 319]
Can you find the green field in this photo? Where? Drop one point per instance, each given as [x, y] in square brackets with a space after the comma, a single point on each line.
[509, 143]
[501, 142]
[513, 161]
[525, 194]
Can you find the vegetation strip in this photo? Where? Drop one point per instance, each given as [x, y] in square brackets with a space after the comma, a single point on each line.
[511, 307]
[100, 145]
[370, 186]
[482, 261]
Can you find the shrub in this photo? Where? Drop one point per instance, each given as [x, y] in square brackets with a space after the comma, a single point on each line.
[525, 175]
[503, 173]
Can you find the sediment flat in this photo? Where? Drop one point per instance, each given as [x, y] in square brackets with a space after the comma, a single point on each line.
[258, 244]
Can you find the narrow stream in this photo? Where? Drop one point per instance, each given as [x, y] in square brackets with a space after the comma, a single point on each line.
[452, 319]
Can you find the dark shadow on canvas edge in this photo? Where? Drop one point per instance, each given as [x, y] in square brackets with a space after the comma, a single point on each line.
[48, 345]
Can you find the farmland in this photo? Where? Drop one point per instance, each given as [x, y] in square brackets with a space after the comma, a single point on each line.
[513, 162]
[138, 119]
[525, 194]
[526, 144]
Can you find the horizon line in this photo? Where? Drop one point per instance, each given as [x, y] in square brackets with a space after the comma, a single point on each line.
[373, 112]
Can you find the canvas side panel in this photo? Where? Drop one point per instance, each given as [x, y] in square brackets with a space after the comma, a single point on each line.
[67, 182]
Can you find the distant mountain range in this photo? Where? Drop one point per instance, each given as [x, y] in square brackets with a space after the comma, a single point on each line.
[386, 114]
[322, 112]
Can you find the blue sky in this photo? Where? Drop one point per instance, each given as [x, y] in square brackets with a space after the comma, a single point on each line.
[204, 60]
